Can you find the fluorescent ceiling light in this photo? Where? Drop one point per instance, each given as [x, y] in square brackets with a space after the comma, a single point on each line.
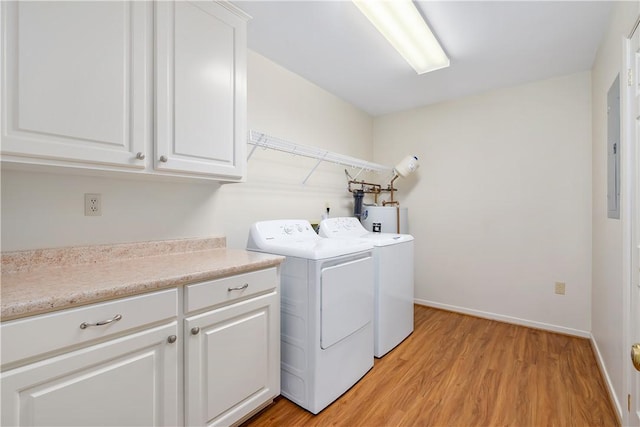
[401, 23]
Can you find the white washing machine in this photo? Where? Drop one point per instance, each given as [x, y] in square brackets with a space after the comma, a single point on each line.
[326, 310]
[393, 261]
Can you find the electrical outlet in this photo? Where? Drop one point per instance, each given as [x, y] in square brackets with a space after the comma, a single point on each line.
[92, 204]
[560, 288]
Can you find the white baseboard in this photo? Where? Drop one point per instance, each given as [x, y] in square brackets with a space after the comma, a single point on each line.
[612, 395]
[506, 319]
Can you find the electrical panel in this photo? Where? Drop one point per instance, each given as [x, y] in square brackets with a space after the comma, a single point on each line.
[613, 150]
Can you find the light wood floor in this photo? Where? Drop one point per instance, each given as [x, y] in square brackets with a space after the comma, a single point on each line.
[457, 370]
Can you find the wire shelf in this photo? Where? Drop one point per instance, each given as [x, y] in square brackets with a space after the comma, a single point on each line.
[259, 139]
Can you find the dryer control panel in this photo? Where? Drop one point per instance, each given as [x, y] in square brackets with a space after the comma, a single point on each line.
[342, 226]
[286, 230]
[297, 238]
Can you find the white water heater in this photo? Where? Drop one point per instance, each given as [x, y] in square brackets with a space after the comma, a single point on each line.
[385, 219]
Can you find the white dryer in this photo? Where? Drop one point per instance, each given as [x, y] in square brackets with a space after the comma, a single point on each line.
[393, 260]
[326, 310]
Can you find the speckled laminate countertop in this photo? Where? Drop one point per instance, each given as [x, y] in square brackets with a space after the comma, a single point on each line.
[45, 280]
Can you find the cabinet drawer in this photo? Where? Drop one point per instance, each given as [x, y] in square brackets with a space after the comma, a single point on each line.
[30, 337]
[215, 292]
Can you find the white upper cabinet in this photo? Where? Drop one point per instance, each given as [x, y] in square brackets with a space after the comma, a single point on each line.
[201, 88]
[76, 79]
[138, 86]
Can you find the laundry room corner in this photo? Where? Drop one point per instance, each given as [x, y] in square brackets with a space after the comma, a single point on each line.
[501, 203]
[284, 104]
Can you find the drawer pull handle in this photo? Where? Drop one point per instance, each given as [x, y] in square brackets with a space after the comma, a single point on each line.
[238, 288]
[85, 325]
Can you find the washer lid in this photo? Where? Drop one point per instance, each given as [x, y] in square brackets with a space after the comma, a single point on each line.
[297, 238]
[350, 228]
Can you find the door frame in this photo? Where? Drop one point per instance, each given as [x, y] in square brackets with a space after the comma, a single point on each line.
[630, 198]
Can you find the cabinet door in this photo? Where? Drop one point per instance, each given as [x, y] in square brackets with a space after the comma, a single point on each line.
[200, 89]
[75, 81]
[232, 361]
[128, 381]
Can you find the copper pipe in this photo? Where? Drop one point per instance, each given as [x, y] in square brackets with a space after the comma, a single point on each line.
[374, 189]
[391, 190]
[366, 187]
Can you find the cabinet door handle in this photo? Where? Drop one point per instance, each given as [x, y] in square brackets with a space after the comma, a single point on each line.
[140, 155]
[172, 339]
[164, 159]
[85, 325]
[238, 288]
[195, 330]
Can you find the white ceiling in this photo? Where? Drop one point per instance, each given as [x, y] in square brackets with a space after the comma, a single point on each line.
[491, 44]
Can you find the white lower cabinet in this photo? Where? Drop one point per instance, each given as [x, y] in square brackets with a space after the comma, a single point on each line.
[232, 352]
[112, 363]
[129, 381]
[124, 362]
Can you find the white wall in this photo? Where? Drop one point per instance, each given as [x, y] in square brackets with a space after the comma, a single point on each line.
[501, 204]
[608, 290]
[46, 210]
[283, 104]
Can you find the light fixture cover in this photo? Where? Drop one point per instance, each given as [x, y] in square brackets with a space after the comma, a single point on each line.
[402, 25]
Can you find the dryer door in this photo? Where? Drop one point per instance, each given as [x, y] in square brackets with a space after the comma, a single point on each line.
[346, 299]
